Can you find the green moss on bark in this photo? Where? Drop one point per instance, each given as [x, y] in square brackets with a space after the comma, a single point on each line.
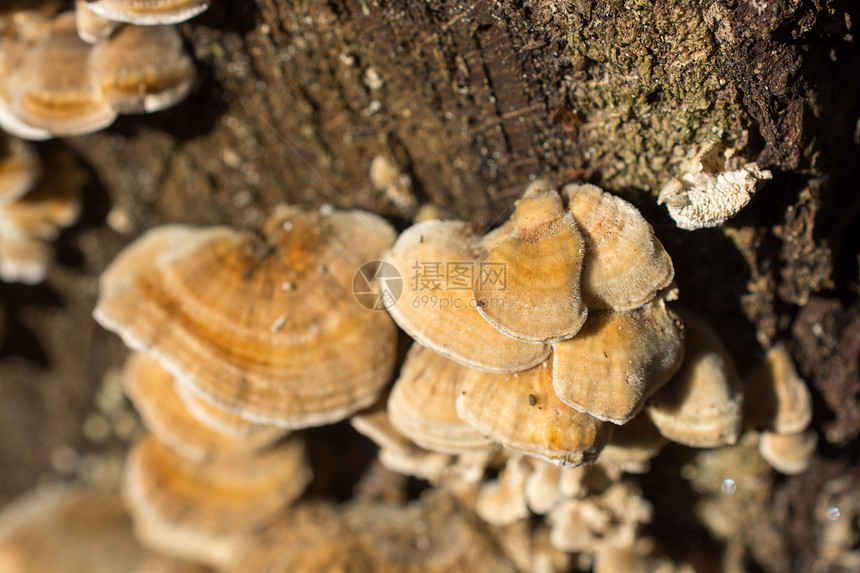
[646, 85]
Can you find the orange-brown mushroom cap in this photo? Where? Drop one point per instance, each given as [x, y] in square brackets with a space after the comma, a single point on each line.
[185, 509]
[521, 411]
[436, 307]
[142, 69]
[266, 328]
[625, 265]
[617, 360]
[701, 406]
[147, 12]
[152, 390]
[55, 91]
[422, 404]
[541, 257]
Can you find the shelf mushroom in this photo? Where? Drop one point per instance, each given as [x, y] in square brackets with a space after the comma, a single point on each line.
[203, 511]
[153, 392]
[701, 406]
[264, 326]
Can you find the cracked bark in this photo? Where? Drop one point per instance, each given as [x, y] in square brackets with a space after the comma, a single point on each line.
[470, 101]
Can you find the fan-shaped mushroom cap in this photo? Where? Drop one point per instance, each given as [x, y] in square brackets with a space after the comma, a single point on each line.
[632, 446]
[215, 418]
[56, 92]
[92, 28]
[701, 405]
[200, 511]
[521, 411]
[66, 530]
[790, 454]
[777, 397]
[148, 12]
[151, 388]
[16, 58]
[436, 307]
[24, 260]
[539, 299]
[142, 69]
[625, 265]
[268, 329]
[421, 405]
[617, 360]
[397, 452]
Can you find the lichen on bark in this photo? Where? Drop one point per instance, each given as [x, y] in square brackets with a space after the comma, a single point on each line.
[646, 82]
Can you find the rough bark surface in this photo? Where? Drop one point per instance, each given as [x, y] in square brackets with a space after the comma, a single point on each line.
[470, 101]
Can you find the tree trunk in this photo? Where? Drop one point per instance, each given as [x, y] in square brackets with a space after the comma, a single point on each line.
[465, 103]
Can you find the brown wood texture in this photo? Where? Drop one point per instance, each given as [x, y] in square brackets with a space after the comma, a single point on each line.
[469, 101]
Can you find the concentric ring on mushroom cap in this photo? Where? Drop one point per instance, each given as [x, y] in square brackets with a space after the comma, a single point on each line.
[624, 265]
[142, 69]
[521, 411]
[422, 404]
[55, 91]
[16, 58]
[268, 329]
[701, 405]
[437, 309]
[189, 510]
[617, 360]
[213, 417]
[148, 12]
[539, 298]
[151, 388]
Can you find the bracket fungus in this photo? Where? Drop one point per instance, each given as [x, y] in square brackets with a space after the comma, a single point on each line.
[701, 406]
[788, 453]
[147, 12]
[273, 334]
[202, 511]
[618, 360]
[521, 411]
[152, 390]
[714, 185]
[142, 69]
[53, 83]
[540, 231]
[55, 92]
[625, 265]
[436, 307]
[778, 399]
[32, 215]
[421, 404]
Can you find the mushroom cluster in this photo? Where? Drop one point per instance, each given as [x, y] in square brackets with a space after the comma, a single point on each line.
[780, 406]
[240, 338]
[53, 83]
[36, 201]
[556, 320]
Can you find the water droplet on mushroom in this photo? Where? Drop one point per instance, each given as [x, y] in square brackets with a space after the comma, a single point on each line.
[728, 486]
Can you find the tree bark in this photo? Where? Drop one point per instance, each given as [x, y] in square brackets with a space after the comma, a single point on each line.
[468, 102]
